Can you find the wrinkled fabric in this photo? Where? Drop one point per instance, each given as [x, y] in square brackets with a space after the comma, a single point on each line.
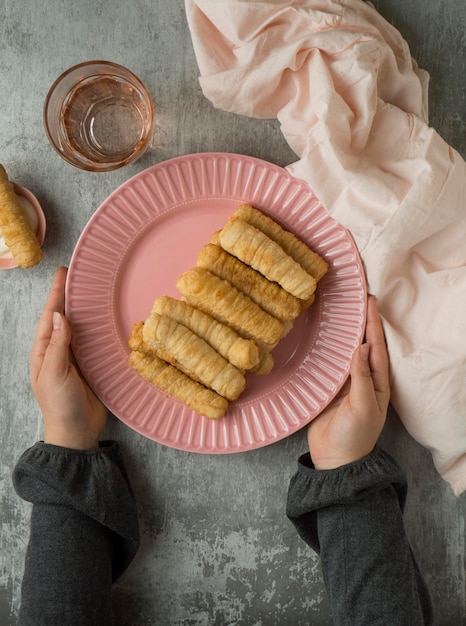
[352, 104]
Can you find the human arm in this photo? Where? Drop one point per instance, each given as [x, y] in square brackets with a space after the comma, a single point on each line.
[83, 533]
[84, 527]
[346, 501]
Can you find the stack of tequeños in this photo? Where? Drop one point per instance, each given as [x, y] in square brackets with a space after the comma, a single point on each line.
[250, 283]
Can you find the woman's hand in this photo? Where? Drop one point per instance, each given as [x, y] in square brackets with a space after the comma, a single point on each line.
[73, 416]
[349, 428]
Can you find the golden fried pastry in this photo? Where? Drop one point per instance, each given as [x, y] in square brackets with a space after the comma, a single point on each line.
[135, 341]
[15, 227]
[269, 296]
[312, 262]
[251, 282]
[148, 365]
[256, 249]
[179, 346]
[179, 386]
[227, 304]
[242, 353]
[215, 238]
[265, 365]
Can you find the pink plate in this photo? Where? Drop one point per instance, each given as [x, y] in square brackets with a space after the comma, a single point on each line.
[145, 235]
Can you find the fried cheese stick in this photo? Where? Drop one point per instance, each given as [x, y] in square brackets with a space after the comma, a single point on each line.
[242, 353]
[230, 306]
[15, 227]
[312, 262]
[256, 249]
[192, 355]
[268, 295]
[176, 384]
[135, 341]
[265, 365]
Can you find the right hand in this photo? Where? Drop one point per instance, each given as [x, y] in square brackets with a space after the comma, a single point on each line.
[349, 428]
[73, 416]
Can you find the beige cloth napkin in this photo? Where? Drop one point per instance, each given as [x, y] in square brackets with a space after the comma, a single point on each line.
[352, 104]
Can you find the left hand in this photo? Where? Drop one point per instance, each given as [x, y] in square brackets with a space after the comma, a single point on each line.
[73, 416]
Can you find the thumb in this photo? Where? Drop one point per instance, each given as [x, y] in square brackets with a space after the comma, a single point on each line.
[57, 356]
[362, 386]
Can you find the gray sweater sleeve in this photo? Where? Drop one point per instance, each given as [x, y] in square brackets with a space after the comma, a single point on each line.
[84, 533]
[352, 517]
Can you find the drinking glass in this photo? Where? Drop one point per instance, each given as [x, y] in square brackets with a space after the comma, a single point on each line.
[99, 116]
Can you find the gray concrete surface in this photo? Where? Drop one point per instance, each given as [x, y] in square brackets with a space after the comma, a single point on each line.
[216, 546]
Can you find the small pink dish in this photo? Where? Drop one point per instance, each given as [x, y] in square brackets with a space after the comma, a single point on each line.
[7, 261]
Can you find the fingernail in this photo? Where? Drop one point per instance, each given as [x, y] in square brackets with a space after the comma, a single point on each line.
[364, 352]
[57, 321]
